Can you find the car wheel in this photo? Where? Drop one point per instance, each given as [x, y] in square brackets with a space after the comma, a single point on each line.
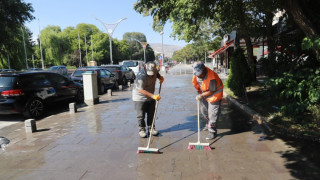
[115, 85]
[79, 97]
[34, 108]
[102, 89]
[124, 81]
[133, 78]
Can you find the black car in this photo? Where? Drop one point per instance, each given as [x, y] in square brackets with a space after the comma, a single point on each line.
[7, 70]
[106, 80]
[29, 92]
[34, 69]
[123, 73]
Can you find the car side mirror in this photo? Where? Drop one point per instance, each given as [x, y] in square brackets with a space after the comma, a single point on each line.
[130, 69]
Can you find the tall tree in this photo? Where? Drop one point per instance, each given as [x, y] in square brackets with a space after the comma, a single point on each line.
[188, 17]
[136, 49]
[13, 14]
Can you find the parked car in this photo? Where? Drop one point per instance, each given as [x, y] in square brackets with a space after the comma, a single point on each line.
[60, 70]
[7, 70]
[29, 92]
[122, 72]
[106, 80]
[135, 65]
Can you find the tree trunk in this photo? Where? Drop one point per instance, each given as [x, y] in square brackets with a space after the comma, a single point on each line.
[251, 60]
[294, 9]
[246, 36]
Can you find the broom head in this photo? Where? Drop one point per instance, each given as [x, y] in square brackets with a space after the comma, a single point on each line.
[147, 150]
[198, 145]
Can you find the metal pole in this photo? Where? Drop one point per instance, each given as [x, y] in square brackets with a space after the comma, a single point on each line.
[25, 50]
[110, 29]
[32, 60]
[144, 54]
[8, 61]
[162, 50]
[85, 43]
[80, 65]
[110, 38]
[91, 49]
[40, 45]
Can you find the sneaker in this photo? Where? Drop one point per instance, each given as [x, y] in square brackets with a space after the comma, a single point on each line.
[211, 135]
[205, 128]
[142, 132]
[154, 131]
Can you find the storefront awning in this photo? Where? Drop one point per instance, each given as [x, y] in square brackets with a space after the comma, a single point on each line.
[222, 49]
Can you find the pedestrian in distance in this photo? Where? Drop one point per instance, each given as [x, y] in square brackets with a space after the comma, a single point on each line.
[210, 92]
[144, 97]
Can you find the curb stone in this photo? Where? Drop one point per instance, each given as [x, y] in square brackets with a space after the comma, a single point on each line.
[268, 127]
[253, 114]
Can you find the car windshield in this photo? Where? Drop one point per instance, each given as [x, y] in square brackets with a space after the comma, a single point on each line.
[79, 73]
[6, 81]
[113, 69]
[130, 64]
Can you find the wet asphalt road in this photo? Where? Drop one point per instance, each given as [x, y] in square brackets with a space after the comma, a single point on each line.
[100, 142]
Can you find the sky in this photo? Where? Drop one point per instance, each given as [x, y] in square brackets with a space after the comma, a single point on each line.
[66, 13]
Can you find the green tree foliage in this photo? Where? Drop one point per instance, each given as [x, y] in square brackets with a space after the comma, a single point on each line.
[62, 47]
[197, 50]
[192, 18]
[13, 14]
[298, 88]
[52, 45]
[136, 49]
[239, 76]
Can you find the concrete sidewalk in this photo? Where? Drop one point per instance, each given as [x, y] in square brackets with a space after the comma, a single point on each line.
[100, 142]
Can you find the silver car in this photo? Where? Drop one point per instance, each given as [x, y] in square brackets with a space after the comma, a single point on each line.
[60, 70]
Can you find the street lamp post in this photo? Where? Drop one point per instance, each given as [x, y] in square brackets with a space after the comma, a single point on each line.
[110, 29]
[161, 33]
[40, 45]
[25, 51]
[80, 63]
[144, 45]
[85, 43]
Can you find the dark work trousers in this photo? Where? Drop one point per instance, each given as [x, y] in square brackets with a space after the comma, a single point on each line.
[210, 112]
[143, 108]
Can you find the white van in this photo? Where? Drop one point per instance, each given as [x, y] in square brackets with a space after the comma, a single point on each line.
[135, 65]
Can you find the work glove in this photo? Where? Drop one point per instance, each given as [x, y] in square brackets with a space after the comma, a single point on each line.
[156, 97]
[161, 79]
[198, 97]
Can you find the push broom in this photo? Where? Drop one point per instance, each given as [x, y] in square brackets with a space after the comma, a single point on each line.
[199, 145]
[148, 149]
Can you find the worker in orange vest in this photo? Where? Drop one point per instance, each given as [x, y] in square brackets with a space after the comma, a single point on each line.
[210, 92]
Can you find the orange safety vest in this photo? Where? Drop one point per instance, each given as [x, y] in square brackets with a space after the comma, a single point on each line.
[217, 95]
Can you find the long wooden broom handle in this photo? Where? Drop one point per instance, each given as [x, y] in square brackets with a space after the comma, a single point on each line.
[198, 105]
[154, 117]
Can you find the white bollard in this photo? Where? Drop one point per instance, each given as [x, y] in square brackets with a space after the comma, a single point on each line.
[109, 92]
[120, 87]
[72, 108]
[30, 125]
[129, 84]
[90, 87]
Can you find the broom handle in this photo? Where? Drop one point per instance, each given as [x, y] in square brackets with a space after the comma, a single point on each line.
[198, 104]
[154, 117]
